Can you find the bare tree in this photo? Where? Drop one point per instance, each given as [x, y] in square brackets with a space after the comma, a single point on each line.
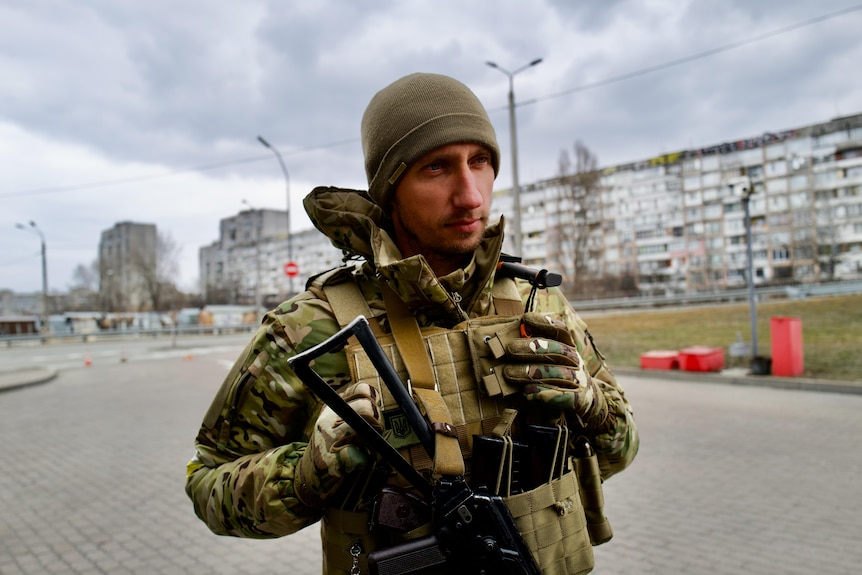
[576, 213]
[111, 297]
[86, 277]
[157, 272]
[84, 288]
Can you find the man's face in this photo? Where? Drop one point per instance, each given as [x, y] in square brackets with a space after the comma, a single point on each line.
[440, 208]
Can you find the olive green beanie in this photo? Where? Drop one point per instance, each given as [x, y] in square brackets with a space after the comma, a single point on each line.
[413, 116]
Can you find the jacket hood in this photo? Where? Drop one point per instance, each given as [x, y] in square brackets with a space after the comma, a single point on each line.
[358, 226]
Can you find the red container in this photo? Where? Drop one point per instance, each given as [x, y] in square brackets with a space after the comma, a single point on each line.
[786, 335]
[701, 358]
[660, 359]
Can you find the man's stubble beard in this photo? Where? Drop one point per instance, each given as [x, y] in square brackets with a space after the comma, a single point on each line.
[466, 244]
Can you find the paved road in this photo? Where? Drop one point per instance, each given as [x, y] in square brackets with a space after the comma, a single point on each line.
[730, 479]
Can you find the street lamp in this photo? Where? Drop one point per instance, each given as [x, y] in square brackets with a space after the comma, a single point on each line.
[287, 185]
[35, 229]
[258, 293]
[516, 192]
[743, 188]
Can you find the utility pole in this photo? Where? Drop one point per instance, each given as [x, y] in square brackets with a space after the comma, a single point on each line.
[35, 229]
[516, 191]
[287, 185]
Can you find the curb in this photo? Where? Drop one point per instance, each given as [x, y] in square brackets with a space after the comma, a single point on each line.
[25, 377]
[734, 377]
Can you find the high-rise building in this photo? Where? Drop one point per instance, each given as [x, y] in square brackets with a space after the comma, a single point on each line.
[673, 224]
[127, 258]
[666, 225]
[246, 264]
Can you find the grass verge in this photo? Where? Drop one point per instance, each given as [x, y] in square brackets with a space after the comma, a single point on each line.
[831, 332]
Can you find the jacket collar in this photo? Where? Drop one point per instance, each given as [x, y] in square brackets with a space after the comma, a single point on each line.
[355, 224]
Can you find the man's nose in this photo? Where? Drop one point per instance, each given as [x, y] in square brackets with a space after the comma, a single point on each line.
[467, 194]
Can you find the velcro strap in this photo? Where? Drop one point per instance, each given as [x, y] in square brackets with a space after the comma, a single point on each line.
[507, 298]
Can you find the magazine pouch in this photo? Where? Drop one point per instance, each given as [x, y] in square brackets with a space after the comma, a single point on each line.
[552, 523]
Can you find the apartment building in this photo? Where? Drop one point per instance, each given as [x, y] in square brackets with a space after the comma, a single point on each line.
[252, 250]
[668, 224]
[673, 224]
[127, 254]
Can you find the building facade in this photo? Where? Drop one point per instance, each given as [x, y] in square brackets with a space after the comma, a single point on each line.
[127, 256]
[246, 265]
[673, 224]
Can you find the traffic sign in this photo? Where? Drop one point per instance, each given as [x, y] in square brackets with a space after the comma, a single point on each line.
[291, 269]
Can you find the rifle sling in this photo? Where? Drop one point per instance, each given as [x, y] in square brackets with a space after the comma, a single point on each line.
[448, 461]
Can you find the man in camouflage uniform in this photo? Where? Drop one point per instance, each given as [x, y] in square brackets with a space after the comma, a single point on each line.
[271, 460]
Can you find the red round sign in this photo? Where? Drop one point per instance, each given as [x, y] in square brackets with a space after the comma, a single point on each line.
[291, 269]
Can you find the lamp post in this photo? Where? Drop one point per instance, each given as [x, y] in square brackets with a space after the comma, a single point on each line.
[258, 294]
[35, 229]
[743, 188]
[287, 186]
[516, 191]
[746, 200]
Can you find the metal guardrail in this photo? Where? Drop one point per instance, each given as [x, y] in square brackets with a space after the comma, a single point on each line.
[797, 291]
[10, 340]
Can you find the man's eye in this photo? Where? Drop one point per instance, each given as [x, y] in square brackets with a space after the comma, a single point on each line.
[434, 166]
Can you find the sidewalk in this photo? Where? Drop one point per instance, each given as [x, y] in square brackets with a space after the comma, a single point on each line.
[25, 377]
[741, 376]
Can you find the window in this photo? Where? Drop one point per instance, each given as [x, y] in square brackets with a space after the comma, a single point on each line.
[781, 238]
[777, 168]
[825, 177]
[775, 151]
[710, 163]
[799, 182]
[799, 146]
[711, 179]
[778, 204]
[803, 253]
[713, 228]
[712, 211]
[750, 157]
[776, 186]
[780, 255]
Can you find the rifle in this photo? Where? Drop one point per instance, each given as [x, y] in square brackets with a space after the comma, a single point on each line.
[472, 533]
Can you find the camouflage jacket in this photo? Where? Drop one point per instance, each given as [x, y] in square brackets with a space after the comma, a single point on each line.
[241, 479]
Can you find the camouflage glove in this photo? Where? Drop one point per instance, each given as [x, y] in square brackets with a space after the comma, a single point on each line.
[334, 449]
[545, 362]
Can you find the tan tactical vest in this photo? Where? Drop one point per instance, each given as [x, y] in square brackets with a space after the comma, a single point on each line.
[474, 401]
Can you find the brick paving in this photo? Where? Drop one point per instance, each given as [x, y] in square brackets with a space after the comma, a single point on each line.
[730, 479]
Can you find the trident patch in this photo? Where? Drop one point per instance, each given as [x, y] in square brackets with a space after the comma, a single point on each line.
[400, 434]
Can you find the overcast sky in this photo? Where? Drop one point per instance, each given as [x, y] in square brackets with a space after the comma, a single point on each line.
[118, 110]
